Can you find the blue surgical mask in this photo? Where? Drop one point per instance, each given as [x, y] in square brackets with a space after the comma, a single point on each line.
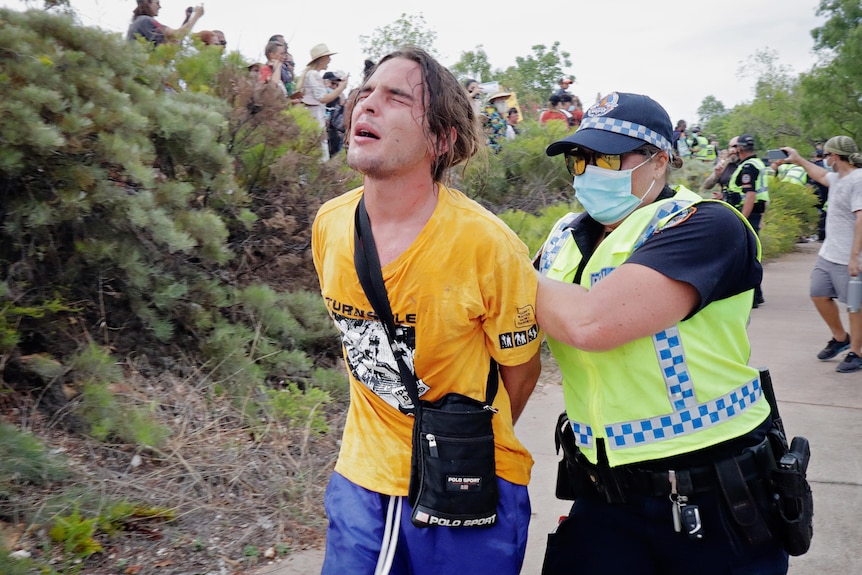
[607, 194]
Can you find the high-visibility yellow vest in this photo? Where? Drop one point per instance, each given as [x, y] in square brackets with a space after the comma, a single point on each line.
[685, 388]
[761, 188]
[793, 173]
[705, 151]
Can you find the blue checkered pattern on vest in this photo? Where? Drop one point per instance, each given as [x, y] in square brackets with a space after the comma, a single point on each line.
[684, 421]
[671, 359]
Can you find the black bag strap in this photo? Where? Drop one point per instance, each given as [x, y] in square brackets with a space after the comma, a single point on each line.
[371, 277]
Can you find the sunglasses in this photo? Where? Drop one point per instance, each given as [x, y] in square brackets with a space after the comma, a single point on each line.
[577, 161]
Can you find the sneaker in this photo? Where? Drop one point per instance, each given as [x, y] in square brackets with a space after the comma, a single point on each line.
[851, 363]
[833, 348]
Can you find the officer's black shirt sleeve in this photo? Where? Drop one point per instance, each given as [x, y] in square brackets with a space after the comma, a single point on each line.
[747, 178]
[713, 250]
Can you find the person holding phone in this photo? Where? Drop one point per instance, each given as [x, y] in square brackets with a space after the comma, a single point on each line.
[144, 23]
[839, 256]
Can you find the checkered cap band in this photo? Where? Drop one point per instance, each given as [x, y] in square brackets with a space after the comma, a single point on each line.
[627, 128]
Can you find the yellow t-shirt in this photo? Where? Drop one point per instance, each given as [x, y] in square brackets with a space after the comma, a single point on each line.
[464, 291]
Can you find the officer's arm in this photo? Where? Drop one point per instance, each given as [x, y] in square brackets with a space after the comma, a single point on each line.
[519, 381]
[748, 202]
[632, 302]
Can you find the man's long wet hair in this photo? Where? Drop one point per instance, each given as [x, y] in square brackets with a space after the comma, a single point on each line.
[447, 106]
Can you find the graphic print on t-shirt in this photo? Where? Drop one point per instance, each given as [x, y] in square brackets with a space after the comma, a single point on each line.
[371, 361]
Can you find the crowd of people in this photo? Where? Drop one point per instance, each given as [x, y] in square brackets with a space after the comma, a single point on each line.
[319, 90]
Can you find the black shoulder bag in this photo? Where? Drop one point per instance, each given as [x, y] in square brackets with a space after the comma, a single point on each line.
[453, 479]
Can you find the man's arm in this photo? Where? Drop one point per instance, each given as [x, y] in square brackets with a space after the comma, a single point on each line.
[815, 172]
[712, 179]
[519, 381]
[853, 266]
[178, 33]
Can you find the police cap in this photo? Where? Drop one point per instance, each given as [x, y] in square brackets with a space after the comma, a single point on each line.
[745, 141]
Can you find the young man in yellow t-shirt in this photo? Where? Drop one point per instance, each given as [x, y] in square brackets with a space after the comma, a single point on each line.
[462, 291]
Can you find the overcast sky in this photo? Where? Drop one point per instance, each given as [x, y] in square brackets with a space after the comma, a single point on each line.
[676, 51]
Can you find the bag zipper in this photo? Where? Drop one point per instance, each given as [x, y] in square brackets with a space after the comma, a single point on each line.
[432, 444]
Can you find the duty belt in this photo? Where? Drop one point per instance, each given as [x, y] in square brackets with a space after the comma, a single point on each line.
[616, 483]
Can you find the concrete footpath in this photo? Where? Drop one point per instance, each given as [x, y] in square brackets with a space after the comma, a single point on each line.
[815, 401]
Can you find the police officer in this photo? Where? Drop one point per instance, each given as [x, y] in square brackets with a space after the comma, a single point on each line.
[699, 146]
[748, 190]
[647, 321]
[703, 149]
[792, 174]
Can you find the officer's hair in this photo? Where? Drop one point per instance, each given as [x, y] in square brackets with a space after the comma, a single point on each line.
[674, 161]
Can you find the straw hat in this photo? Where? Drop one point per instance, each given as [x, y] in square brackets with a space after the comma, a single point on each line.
[319, 51]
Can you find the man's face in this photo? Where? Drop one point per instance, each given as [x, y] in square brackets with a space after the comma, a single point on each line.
[513, 118]
[278, 54]
[732, 150]
[500, 105]
[387, 136]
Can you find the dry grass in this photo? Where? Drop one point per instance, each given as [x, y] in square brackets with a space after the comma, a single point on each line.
[237, 490]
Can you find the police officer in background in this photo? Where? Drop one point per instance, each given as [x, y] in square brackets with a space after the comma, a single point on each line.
[699, 145]
[665, 425]
[704, 150]
[748, 191]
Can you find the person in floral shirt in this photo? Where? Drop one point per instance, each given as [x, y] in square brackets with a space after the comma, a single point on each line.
[494, 120]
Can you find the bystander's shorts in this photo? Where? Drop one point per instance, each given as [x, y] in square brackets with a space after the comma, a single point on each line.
[363, 525]
[829, 279]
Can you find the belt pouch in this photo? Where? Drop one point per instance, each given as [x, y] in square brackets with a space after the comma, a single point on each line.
[453, 480]
[743, 506]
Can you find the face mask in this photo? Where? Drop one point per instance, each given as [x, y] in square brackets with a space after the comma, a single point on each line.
[607, 194]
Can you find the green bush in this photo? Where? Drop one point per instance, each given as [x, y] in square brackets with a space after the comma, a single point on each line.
[149, 195]
[521, 175]
[534, 229]
[791, 215]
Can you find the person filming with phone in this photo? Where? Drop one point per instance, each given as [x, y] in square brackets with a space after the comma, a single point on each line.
[144, 23]
[838, 258]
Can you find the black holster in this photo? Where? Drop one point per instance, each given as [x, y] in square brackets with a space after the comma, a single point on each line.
[573, 480]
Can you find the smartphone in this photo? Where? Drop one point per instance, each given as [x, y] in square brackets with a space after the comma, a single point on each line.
[773, 155]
